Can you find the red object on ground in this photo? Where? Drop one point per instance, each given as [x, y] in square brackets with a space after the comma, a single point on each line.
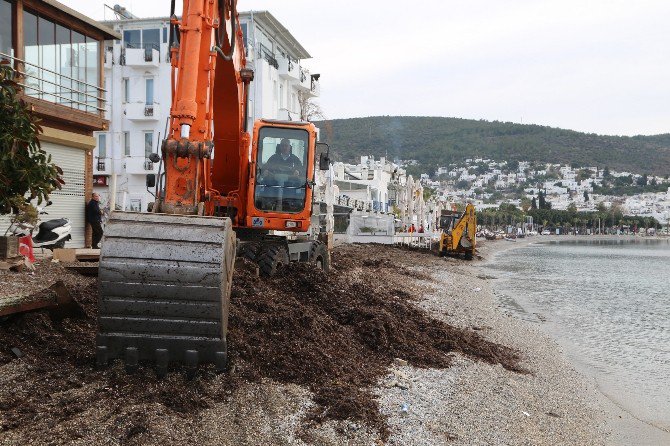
[26, 248]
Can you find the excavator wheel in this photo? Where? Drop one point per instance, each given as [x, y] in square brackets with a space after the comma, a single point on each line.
[468, 255]
[249, 251]
[320, 256]
[164, 290]
[271, 257]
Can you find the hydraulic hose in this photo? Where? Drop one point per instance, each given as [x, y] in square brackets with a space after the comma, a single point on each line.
[222, 31]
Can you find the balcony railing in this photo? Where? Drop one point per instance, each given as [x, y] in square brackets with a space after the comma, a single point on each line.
[148, 110]
[147, 47]
[60, 89]
[148, 165]
[268, 55]
[100, 167]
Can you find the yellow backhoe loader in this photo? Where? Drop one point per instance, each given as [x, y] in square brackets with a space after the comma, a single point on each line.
[458, 233]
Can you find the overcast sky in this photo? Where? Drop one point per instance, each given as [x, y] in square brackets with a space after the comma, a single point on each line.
[600, 66]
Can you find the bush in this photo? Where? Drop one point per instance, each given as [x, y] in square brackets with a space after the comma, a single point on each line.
[25, 169]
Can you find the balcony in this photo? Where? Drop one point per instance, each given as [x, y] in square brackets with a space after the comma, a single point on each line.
[316, 87]
[58, 96]
[102, 166]
[268, 55]
[143, 56]
[139, 111]
[305, 81]
[288, 69]
[140, 165]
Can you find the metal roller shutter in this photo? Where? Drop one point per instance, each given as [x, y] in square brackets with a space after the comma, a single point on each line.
[70, 201]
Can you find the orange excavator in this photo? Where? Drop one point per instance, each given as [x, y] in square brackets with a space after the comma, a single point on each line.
[165, 276]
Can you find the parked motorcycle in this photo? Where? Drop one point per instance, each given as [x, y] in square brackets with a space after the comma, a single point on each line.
[51, 234]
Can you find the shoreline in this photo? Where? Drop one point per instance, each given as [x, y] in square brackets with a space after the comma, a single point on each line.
[624, 423]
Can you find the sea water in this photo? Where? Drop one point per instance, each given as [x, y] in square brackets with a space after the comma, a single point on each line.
[607, 302]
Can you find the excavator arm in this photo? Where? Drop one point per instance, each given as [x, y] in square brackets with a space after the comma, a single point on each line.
[165, 277]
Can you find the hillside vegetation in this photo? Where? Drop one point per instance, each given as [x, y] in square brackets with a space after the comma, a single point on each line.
[435, 142]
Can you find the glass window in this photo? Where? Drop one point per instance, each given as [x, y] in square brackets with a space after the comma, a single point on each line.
[126, 90]
[148, 143]
[60, 62]
[102, 145]
[244, 34]
[63, 65]
[281, 175]
[92, 73]
[132, 38]
[79, 68]
[165, 32]
[6, 28]
[126, 143]
[151, 38]
[46, 31]
[31, 53]
[150, 91]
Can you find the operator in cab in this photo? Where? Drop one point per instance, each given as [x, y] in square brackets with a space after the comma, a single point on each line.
[284, 161]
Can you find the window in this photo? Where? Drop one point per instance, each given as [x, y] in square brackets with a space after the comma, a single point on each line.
[150, 91]
[126, 143]
[102, 145]
[282, 170]
[244, 34]
[126, 90]
[148, 143]
[165, 36]
[151, 38]
[6, 28]
[54, 54]
[132, 38]
[281, 95]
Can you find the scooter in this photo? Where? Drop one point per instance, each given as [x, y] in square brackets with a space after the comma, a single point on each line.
[51, 234]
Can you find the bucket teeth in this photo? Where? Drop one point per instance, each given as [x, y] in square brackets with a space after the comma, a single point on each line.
[132, 358]
[162, 359]
[101, 357]
[164, 290]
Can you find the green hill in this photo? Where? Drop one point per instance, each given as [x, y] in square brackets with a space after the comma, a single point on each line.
[435, 142]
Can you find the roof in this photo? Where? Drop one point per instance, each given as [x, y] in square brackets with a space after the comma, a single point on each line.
[108, 32]
[278, 31]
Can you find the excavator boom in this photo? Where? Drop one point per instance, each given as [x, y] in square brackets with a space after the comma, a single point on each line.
[165, 277]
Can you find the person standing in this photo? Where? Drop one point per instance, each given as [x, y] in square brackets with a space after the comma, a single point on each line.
[94, 218]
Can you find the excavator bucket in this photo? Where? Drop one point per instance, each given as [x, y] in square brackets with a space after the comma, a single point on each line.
[164, 290]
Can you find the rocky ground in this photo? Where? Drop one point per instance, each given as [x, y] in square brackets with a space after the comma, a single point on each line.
[394, 346]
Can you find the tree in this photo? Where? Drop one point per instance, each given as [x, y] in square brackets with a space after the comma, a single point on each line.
[309, 110]
[533, 203]
[642, 181]
[526, 204]
[26, 171]
[606, 173]
[586, 196]
[572, 208]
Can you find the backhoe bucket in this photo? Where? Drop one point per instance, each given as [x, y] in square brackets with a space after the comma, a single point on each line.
[164, 290]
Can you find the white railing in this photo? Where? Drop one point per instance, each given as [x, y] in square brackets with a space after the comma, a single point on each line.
[92, 94]
[415, 239]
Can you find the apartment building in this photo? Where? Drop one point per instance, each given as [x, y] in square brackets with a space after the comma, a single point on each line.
[58, 55]
[138, 71]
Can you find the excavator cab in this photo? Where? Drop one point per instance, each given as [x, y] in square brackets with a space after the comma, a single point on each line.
[283, 158]
[281, 180]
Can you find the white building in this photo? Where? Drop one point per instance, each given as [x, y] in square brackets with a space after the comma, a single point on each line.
[138, 84]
